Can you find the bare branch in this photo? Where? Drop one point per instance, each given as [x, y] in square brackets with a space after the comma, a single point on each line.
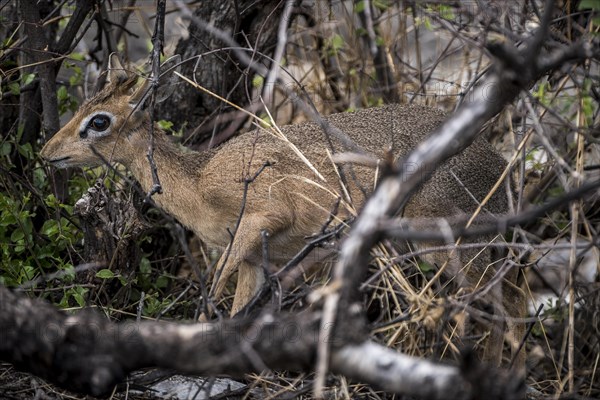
[428, 229]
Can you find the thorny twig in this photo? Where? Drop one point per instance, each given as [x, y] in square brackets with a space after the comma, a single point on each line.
[158, 38]
[274, 284]
[100, 353]
[177, 229]
[180, 234]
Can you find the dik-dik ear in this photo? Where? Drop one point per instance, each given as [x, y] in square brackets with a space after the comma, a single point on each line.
[116, 73]
[166, 84]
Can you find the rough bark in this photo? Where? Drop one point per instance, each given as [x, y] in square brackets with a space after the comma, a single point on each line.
[9, 102]
[38, 39]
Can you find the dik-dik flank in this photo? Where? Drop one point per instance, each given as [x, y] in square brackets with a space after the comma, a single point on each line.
[288, 199]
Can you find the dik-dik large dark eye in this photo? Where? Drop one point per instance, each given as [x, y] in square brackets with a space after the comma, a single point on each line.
[99, 123]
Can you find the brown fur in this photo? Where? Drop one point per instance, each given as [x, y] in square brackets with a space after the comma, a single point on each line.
[204, 190]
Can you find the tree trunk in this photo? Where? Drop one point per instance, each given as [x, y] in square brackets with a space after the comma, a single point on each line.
[254, 25]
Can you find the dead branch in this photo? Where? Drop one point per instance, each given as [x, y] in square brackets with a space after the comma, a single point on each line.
[426, 229]
[87, 353]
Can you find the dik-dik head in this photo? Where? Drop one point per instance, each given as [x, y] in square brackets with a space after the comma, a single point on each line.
[105, 127]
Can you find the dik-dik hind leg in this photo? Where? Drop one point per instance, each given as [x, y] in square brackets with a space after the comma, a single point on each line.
[509, 305]
[504, 299]
[495, 344]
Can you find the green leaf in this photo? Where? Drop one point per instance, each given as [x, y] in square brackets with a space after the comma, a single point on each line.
[17, 235]
[337, 42]
[51, 201]
[8, 219]
[5, 149]
[589, 4]
[73, 80]
[69, 271]
[381, 4]
[78, 296]
[62, 93]
[359, 7]
[257, 81]
[14, 88]
[360, 31]
[77, 56]
[446, 12]
[425, 267]
[427, 23]
[162, 281]
[145, 266]
[50, 228]
[27, 273]
[105, 274]
[165, 125]
[27, 79]
[151, 305]
[265, 121]
[26, 150]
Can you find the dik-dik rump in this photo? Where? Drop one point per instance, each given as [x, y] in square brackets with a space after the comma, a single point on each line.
[293, 196]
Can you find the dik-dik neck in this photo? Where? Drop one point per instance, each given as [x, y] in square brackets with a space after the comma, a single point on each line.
[179, 173]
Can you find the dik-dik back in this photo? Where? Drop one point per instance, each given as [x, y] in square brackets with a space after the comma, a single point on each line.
[292, 197]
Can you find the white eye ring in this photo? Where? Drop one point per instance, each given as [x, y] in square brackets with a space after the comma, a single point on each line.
[96, 125]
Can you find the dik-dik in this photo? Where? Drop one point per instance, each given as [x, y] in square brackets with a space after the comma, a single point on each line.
[292, 197]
